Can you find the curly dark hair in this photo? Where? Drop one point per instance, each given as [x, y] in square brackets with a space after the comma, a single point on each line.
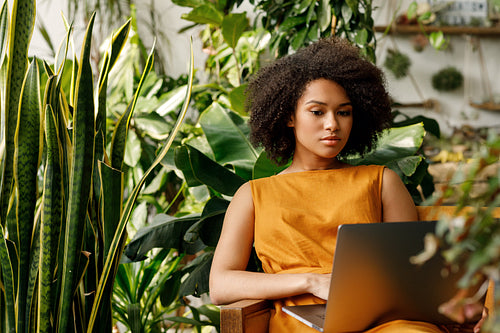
[273, 92]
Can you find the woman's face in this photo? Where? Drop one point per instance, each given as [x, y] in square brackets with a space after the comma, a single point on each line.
[322, 120]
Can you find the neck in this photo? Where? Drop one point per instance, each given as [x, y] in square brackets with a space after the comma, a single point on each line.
[299, 165]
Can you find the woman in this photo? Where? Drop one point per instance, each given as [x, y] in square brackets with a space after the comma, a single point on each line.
[314, 107]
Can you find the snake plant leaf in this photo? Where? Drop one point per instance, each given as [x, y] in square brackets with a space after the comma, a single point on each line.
[80, 179]
[116, 244]
[26, 159]
[232, 27]
[51, 220]
[111, 181]
[227, 133]
[8, 282]
[4, 18]
[117, 42]
[32, 292]
[17, 55]
[121, 129]
[198, 169]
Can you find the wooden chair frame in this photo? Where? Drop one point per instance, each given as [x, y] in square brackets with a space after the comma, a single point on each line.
[252, 316]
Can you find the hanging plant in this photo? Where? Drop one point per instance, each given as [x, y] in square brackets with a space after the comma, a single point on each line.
[447, 79]
[398, 63]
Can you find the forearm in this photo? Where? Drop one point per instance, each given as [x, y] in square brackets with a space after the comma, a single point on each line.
[232, 286]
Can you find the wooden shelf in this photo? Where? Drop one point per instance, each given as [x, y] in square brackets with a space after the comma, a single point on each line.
[450, 30]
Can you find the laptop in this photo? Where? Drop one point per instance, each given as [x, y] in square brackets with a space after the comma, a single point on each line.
[374, 282]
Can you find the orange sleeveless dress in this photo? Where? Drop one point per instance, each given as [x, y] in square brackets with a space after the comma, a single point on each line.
[296, 220]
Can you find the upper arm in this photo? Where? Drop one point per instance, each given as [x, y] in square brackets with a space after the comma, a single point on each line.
[397, 203]
[236, 239]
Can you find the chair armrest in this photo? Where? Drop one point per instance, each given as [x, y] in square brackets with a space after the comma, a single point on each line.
[246, 316]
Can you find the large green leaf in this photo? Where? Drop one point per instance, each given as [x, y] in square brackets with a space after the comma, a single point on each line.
[205, 14]
[394, 144]
[227, 134]
[164, 232]
[80, 180]
[198, 169]
[26, 158]
[233, 26]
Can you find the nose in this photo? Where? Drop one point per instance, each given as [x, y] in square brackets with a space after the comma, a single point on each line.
[331, 123]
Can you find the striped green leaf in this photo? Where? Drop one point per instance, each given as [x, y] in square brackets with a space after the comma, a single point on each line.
[4, 17]
[17, 55]
[8, 282]
[117, 43]
[80, 179]
[50, 222]
[26, 159]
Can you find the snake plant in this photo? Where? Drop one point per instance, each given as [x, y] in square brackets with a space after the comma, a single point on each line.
[62, 221]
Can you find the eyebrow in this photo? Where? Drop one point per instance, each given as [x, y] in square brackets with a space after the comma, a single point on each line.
[323, 103]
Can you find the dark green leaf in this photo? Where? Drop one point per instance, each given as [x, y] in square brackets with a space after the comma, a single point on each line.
[199, 169]
[27, 142]
[164, 232]
[291, 22]
[299, 38]
[197, 281]
[81, 176]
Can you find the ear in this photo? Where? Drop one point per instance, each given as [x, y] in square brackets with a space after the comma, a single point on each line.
[291, 121]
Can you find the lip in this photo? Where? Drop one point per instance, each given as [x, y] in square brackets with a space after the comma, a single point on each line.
[330, 139]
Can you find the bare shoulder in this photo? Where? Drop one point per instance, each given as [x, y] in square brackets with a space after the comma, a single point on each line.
[397, 203]
[243, 196]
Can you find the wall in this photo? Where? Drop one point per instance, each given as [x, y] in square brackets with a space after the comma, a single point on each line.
[453, 109]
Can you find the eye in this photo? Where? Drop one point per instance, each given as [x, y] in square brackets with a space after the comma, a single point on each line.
[344, 113]
[316, 112]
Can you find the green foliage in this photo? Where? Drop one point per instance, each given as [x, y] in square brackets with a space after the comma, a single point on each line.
[62, 222]
[146, 292]
[447, 79]
[398, 63]
[471, 237]
[295, 24]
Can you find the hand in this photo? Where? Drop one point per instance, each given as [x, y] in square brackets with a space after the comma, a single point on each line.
[481, 321]
[466, 328]
[319, 285]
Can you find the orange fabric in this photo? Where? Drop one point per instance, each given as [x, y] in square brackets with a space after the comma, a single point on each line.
[296, 220]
